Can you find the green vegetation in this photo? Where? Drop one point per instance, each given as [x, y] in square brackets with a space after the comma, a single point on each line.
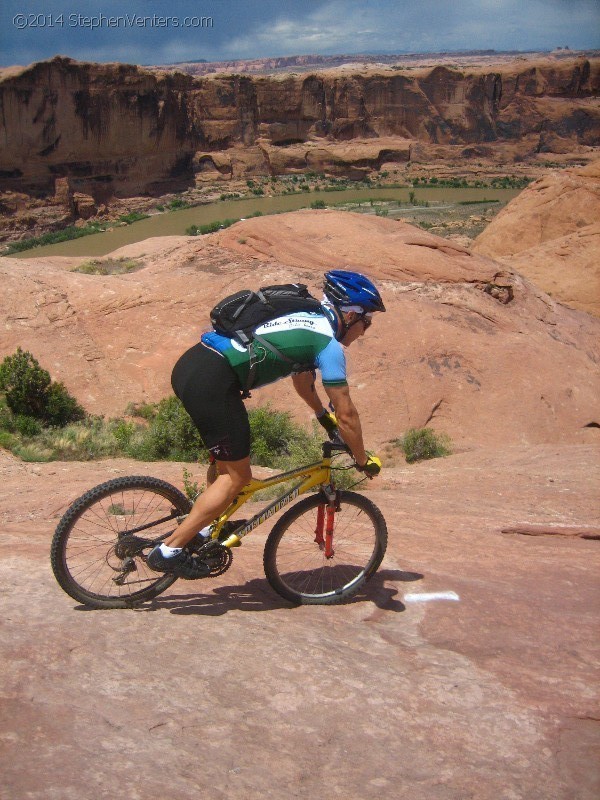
[318, 204]
[190, 486]
[177, 203]
[70, 232]
[211, 227]
[109, 266]
[419, 444]
[133, 216]
[504, 182]
[40, 421]
[31, 397]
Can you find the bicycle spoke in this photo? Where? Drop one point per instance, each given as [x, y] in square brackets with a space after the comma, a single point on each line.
[300, 569]
[90, 555]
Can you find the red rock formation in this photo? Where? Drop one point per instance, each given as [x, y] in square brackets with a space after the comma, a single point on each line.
[119, 129]
[467, 346]
[550, 233]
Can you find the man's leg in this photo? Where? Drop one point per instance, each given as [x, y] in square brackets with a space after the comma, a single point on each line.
[233, 476]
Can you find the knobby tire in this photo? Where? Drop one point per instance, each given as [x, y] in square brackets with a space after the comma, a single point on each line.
[83, 556]
[296, 565]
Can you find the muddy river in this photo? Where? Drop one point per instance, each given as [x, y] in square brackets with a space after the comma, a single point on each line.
[174, 223]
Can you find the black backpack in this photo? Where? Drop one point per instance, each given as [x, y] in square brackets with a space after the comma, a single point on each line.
[238, 315]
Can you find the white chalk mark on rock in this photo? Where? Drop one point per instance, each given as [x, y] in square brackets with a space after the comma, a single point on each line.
[426, 597]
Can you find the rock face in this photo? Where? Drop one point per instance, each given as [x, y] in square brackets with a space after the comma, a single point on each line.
[399, 695]
[551, 234]
[118, 129]
[467, 346]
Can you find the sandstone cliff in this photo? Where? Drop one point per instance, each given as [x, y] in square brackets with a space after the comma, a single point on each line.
[467, 346]
[118, 129]
[551, 234]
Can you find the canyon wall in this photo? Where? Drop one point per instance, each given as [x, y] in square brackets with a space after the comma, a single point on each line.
[117, 129]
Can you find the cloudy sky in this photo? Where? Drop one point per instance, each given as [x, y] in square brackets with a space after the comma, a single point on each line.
[167, 31]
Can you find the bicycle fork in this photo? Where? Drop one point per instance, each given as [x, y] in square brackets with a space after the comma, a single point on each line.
[326, 524]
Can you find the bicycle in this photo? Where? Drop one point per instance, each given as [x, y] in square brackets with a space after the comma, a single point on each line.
[321, 551]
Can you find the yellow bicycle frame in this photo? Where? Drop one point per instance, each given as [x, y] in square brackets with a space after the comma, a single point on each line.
[318, 474]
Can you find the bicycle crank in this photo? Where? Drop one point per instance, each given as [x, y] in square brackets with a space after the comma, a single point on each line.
[217, 557]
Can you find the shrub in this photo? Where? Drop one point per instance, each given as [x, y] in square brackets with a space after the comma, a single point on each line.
[190, 486]
[7, 419]
[419, 444]
[171, 435]
[109, 266]
[318, 204]
[61, 407]
[64, 235]
[133, 216]
[271, 435]
[123, 432]
[25, 384]
[210, 227]
[177, 203]
[27, 426]
[145, 411]
[30, 391]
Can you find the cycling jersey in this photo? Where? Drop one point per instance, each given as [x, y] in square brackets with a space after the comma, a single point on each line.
[304, 338]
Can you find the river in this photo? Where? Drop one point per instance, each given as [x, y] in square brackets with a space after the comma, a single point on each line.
[174, 223]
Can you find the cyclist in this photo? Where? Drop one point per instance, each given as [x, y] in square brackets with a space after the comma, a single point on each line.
[208, 380]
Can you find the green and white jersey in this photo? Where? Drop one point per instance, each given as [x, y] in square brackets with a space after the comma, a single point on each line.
[304, 338]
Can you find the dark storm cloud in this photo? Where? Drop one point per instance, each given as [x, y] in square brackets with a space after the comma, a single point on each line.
[158, 31]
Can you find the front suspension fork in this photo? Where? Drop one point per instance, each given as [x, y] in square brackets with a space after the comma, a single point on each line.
[325, 526]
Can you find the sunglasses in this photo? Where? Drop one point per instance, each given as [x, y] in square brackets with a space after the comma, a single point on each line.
[366, 321]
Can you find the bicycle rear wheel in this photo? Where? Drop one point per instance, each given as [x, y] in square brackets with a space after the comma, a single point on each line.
[99, 548]
[303, 570]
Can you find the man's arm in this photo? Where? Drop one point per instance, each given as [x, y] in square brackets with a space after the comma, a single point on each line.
[348, 421]
[304, 384]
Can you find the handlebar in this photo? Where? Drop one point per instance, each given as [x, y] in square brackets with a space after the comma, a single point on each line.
[335, 443]
[330, 447]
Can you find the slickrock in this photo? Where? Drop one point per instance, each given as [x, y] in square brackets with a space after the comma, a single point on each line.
[550, 233]
[468, 668]
[467, 346]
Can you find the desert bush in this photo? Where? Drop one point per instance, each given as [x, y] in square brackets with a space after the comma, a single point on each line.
[419, 444]
[170, 436]
[30, 392]
[109, 266]
[26, 426]
[145, 411]
[61, 407]
[272, 434]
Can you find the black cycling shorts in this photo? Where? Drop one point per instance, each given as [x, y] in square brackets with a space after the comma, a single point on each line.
[211, 394]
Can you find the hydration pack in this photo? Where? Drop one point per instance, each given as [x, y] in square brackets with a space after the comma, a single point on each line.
[238, 315]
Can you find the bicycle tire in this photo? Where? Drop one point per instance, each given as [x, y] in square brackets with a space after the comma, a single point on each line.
[296, 565]
[83, 556]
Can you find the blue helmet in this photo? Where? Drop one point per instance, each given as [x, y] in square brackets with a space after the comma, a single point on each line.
[344, 288]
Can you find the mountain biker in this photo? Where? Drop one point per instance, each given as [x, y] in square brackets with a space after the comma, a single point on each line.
[208, 380]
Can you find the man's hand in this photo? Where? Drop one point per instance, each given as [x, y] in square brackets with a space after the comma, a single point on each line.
[328, 420]
[371, 467]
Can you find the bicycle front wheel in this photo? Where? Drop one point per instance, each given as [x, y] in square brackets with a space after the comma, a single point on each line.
[99, 549]
[304, 569]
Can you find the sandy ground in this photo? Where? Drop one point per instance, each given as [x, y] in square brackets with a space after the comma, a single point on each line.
[220, 689]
